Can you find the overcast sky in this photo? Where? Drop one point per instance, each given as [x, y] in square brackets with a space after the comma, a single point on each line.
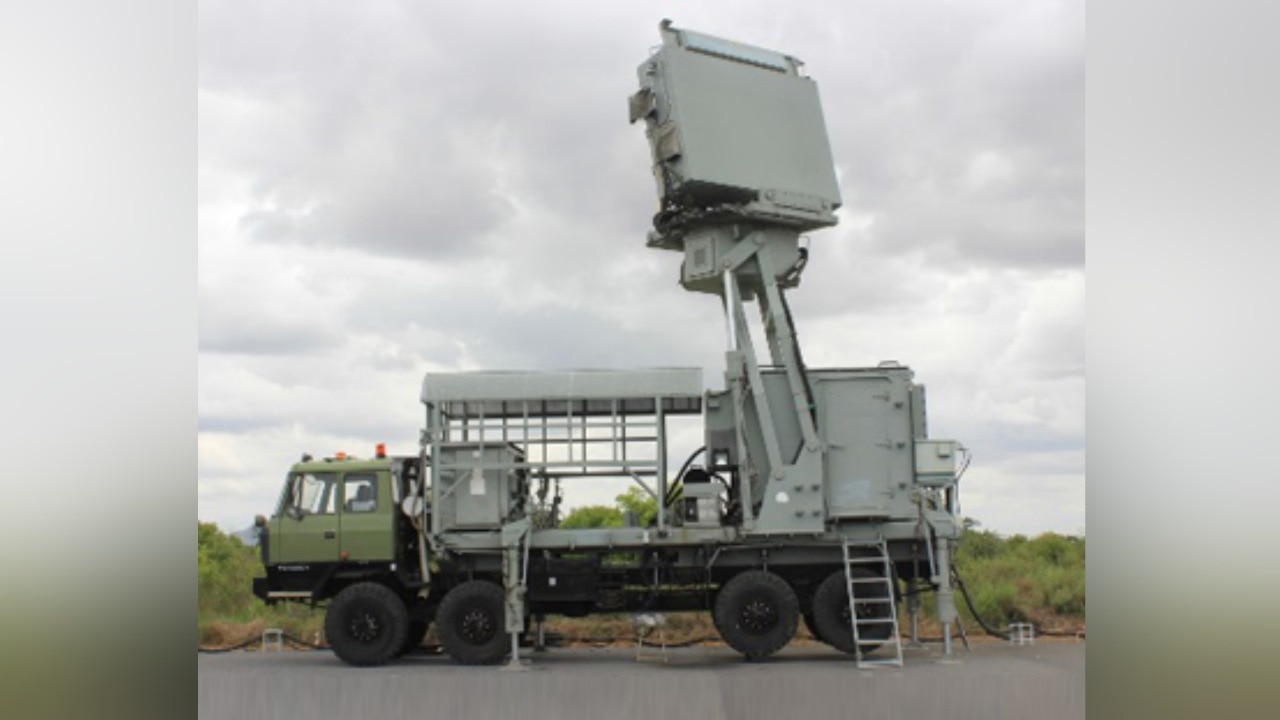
[390, 188]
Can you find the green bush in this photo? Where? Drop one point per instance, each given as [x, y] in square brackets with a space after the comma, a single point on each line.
[227, 611]
[644, 505]
[1017, 579]
[635, 500]
[225, 568]
[593, 516]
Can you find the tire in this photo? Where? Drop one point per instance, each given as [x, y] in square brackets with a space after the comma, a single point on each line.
[831, 613]
[413, 638]
[471, 623]
[366, 624]
[756, 613]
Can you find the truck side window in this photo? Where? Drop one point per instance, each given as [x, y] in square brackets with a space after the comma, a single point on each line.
[315, 494]
[361, 493]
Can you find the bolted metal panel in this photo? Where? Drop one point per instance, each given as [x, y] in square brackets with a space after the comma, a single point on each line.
[868, 430]
[919, 418]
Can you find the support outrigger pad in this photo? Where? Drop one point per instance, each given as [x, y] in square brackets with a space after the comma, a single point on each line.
[948, 657]
[515, 663]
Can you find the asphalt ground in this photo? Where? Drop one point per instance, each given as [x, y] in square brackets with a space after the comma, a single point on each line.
[994, 680]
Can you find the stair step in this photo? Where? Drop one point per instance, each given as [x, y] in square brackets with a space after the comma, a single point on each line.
[873, 601]
[865, 560]
[875, 621]
[865, 581]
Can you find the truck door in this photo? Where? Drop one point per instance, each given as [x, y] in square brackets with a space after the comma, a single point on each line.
[309, 527]
[367, 517]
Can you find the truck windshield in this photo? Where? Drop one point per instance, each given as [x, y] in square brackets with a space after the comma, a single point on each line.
[314, 493]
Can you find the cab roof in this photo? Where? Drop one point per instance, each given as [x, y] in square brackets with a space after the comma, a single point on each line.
[348, 464]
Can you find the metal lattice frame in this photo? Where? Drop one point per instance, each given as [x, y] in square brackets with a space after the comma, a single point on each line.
[575, 430]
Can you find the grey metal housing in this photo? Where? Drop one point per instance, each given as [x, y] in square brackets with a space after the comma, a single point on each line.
[734, 124]
[868, 425]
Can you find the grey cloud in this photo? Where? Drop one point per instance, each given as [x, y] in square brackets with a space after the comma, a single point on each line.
[549, 336]
[852, 280]
[547, 339]
[226, 329]
[235, 424]
[998, 443]
[1054, 350]
[926, 97]
[383, 188]
[392, 138]
[1025, 232]
[317, 398]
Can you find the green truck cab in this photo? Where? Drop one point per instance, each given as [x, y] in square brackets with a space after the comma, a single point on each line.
[338, 536]
[337, 519]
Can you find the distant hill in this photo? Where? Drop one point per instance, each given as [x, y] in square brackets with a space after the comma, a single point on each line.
[248, 536]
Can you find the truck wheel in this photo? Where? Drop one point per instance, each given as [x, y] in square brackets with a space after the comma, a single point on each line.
[757, 613]
[413, 638]
[831, 612]
[366, 624]
[471, 623]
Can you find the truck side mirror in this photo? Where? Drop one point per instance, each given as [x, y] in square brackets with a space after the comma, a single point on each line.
[293, 512]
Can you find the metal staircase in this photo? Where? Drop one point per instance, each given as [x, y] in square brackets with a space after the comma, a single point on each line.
[867, 591]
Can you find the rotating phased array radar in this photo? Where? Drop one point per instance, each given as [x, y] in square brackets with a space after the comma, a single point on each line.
[817, 495]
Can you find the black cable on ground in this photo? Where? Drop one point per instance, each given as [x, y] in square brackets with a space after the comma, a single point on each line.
[683, 643]
[216, 650]
[304, 643]
[964, 592]
[285, 637]
[644, 642]
[968, 601]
